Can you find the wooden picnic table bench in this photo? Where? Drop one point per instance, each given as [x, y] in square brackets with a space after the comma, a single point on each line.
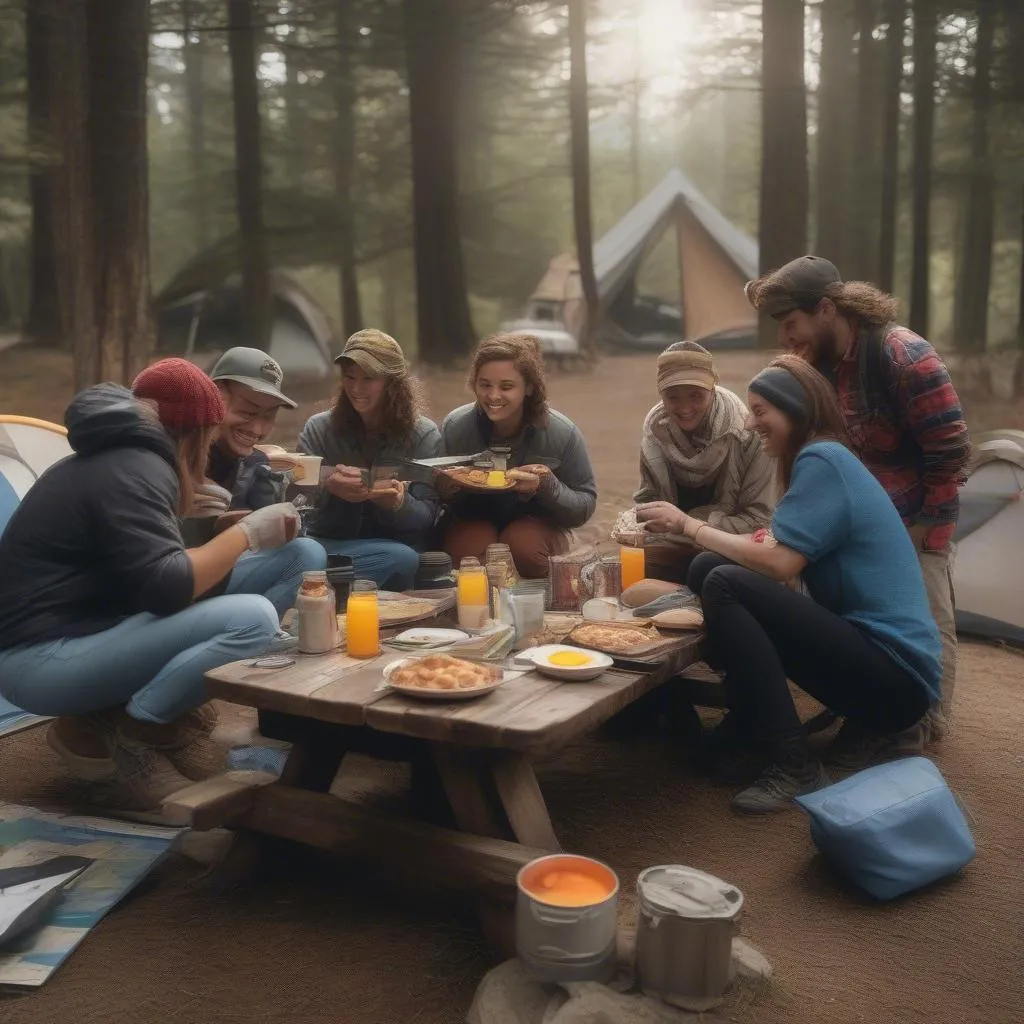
[479, 753]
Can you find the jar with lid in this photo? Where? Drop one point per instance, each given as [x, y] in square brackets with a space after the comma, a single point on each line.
[500, 556]
[317, 616]
[472, 594]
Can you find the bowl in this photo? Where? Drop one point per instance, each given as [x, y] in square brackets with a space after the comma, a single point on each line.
[596, 664]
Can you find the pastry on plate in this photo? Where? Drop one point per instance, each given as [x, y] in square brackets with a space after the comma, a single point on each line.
[443, 672]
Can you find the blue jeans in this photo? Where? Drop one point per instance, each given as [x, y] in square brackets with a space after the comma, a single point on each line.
[155, 664]
[277, 573]
[390, 564]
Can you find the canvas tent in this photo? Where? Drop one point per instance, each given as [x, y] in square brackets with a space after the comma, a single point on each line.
[28, 447]
[715, 260]
[989, 565]
[210, 320]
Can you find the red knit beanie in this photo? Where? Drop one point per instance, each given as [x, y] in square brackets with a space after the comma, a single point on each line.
[186, 398]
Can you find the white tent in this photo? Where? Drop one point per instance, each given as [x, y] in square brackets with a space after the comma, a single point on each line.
[989, 564]
[28, 447]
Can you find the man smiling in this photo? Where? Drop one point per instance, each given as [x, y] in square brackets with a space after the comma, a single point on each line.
[250, 382]
[902, 415]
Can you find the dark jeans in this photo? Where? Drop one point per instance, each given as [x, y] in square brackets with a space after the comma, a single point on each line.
[762, 632]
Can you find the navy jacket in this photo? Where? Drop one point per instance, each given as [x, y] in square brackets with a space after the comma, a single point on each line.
[96, 538]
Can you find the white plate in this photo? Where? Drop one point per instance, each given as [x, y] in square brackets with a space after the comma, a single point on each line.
[421, 694]
[570, 673]
[428, 636]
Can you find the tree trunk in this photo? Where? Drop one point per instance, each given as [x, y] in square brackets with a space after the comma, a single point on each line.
[344, 166]
[118, 36]
[925, 22]
[895, 13]
[635, 92]
[256, 299]
[579, 116]
[970, 316]
[835, 131]
[783, 208]
[866, 195]
[433, 40]
[296, 124]
[192, 57]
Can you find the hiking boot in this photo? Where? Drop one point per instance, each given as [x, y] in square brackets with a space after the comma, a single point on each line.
[728, 755]
[187, 743]
[141, 780]
[778, 784]
[856, 747]
[85, 744]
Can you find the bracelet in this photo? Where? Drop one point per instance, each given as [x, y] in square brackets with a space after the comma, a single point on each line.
[696, 533]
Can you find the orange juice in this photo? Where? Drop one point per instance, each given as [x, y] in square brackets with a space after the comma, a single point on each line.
[362, 625]
[472, 594]
[633, 568]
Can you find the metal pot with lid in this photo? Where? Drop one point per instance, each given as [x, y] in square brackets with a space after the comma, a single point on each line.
[687, 919]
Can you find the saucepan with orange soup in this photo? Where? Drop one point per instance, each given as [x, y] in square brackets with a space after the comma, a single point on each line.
[566, 918]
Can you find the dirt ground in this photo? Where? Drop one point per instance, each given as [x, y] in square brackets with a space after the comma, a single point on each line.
[314, 941]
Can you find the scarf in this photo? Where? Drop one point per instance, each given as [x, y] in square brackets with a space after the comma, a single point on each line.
[677, 459]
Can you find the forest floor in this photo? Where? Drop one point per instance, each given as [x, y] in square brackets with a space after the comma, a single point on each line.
[314, 941]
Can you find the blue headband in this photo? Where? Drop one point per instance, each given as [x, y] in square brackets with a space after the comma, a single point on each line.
[783, 390]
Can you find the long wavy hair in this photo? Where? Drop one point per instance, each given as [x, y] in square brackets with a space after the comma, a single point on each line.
[523, 352]
[825, 419]
[402, 403]
[192, 450]
[855, 300]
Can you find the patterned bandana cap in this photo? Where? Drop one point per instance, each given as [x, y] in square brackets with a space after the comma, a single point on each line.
[377, 353]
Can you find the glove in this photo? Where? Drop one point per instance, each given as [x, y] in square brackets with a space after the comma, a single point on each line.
[210, 499]
[270, 526]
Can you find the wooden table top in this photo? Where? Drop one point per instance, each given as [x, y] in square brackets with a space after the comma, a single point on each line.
[529, 713]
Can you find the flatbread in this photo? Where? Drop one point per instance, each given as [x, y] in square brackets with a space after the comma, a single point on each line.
[613, 639]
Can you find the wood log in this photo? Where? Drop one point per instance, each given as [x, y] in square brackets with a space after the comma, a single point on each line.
[439, 856]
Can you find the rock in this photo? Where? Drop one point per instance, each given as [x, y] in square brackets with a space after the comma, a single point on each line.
[508, 994]
[748, 963]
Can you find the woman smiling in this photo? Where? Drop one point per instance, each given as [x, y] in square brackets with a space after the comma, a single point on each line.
[375, 423]
[511, 409]
[697, 454]
[865, 644]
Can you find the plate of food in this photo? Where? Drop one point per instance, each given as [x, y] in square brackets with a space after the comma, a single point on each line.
[473, 478]
[573, 664]
[442, 677]
[615, 638]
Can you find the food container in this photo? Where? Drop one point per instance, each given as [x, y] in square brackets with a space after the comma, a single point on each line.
[602, 578]
[567, 588]
[561, 942]
[317, 617]
[686, 922]
[307, 471]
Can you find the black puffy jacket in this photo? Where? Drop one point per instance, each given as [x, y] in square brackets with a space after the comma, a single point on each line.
[96, 538]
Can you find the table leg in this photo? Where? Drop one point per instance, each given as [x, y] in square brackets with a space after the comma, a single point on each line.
[523, 801]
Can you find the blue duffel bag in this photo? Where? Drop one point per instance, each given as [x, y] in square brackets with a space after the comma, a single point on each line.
[891, 828]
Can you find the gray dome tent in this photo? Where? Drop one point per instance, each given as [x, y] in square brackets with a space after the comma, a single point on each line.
[989, 563]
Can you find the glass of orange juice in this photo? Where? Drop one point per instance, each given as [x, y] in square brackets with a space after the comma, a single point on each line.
[472, 594]
[633, 568]
[362, 620]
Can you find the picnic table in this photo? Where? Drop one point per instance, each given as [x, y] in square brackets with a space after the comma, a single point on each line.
[478, 753]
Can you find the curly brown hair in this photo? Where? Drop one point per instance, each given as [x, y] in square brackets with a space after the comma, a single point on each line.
[855, 300]
[824, 421]
[523, 352]
[402, 403]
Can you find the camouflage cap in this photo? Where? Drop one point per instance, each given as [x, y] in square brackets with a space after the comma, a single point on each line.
[376, 352]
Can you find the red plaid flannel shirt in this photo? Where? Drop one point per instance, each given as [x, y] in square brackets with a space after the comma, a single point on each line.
[906, 424]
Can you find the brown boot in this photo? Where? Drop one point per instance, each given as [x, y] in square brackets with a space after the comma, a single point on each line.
[142, 778]
[85, 744]
[185, 742]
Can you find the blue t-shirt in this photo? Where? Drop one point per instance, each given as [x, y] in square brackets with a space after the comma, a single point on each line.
[861, 562]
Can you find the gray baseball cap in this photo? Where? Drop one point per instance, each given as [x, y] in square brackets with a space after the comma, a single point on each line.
[800, 284]
[255, 369]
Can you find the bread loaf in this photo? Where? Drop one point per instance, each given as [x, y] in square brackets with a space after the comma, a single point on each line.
[645, 591]
[679, 618]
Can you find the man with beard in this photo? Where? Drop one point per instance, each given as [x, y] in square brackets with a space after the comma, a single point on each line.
[905, 423]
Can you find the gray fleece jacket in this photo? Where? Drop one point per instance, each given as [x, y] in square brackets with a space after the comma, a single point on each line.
[345, 520]
[566, 499]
